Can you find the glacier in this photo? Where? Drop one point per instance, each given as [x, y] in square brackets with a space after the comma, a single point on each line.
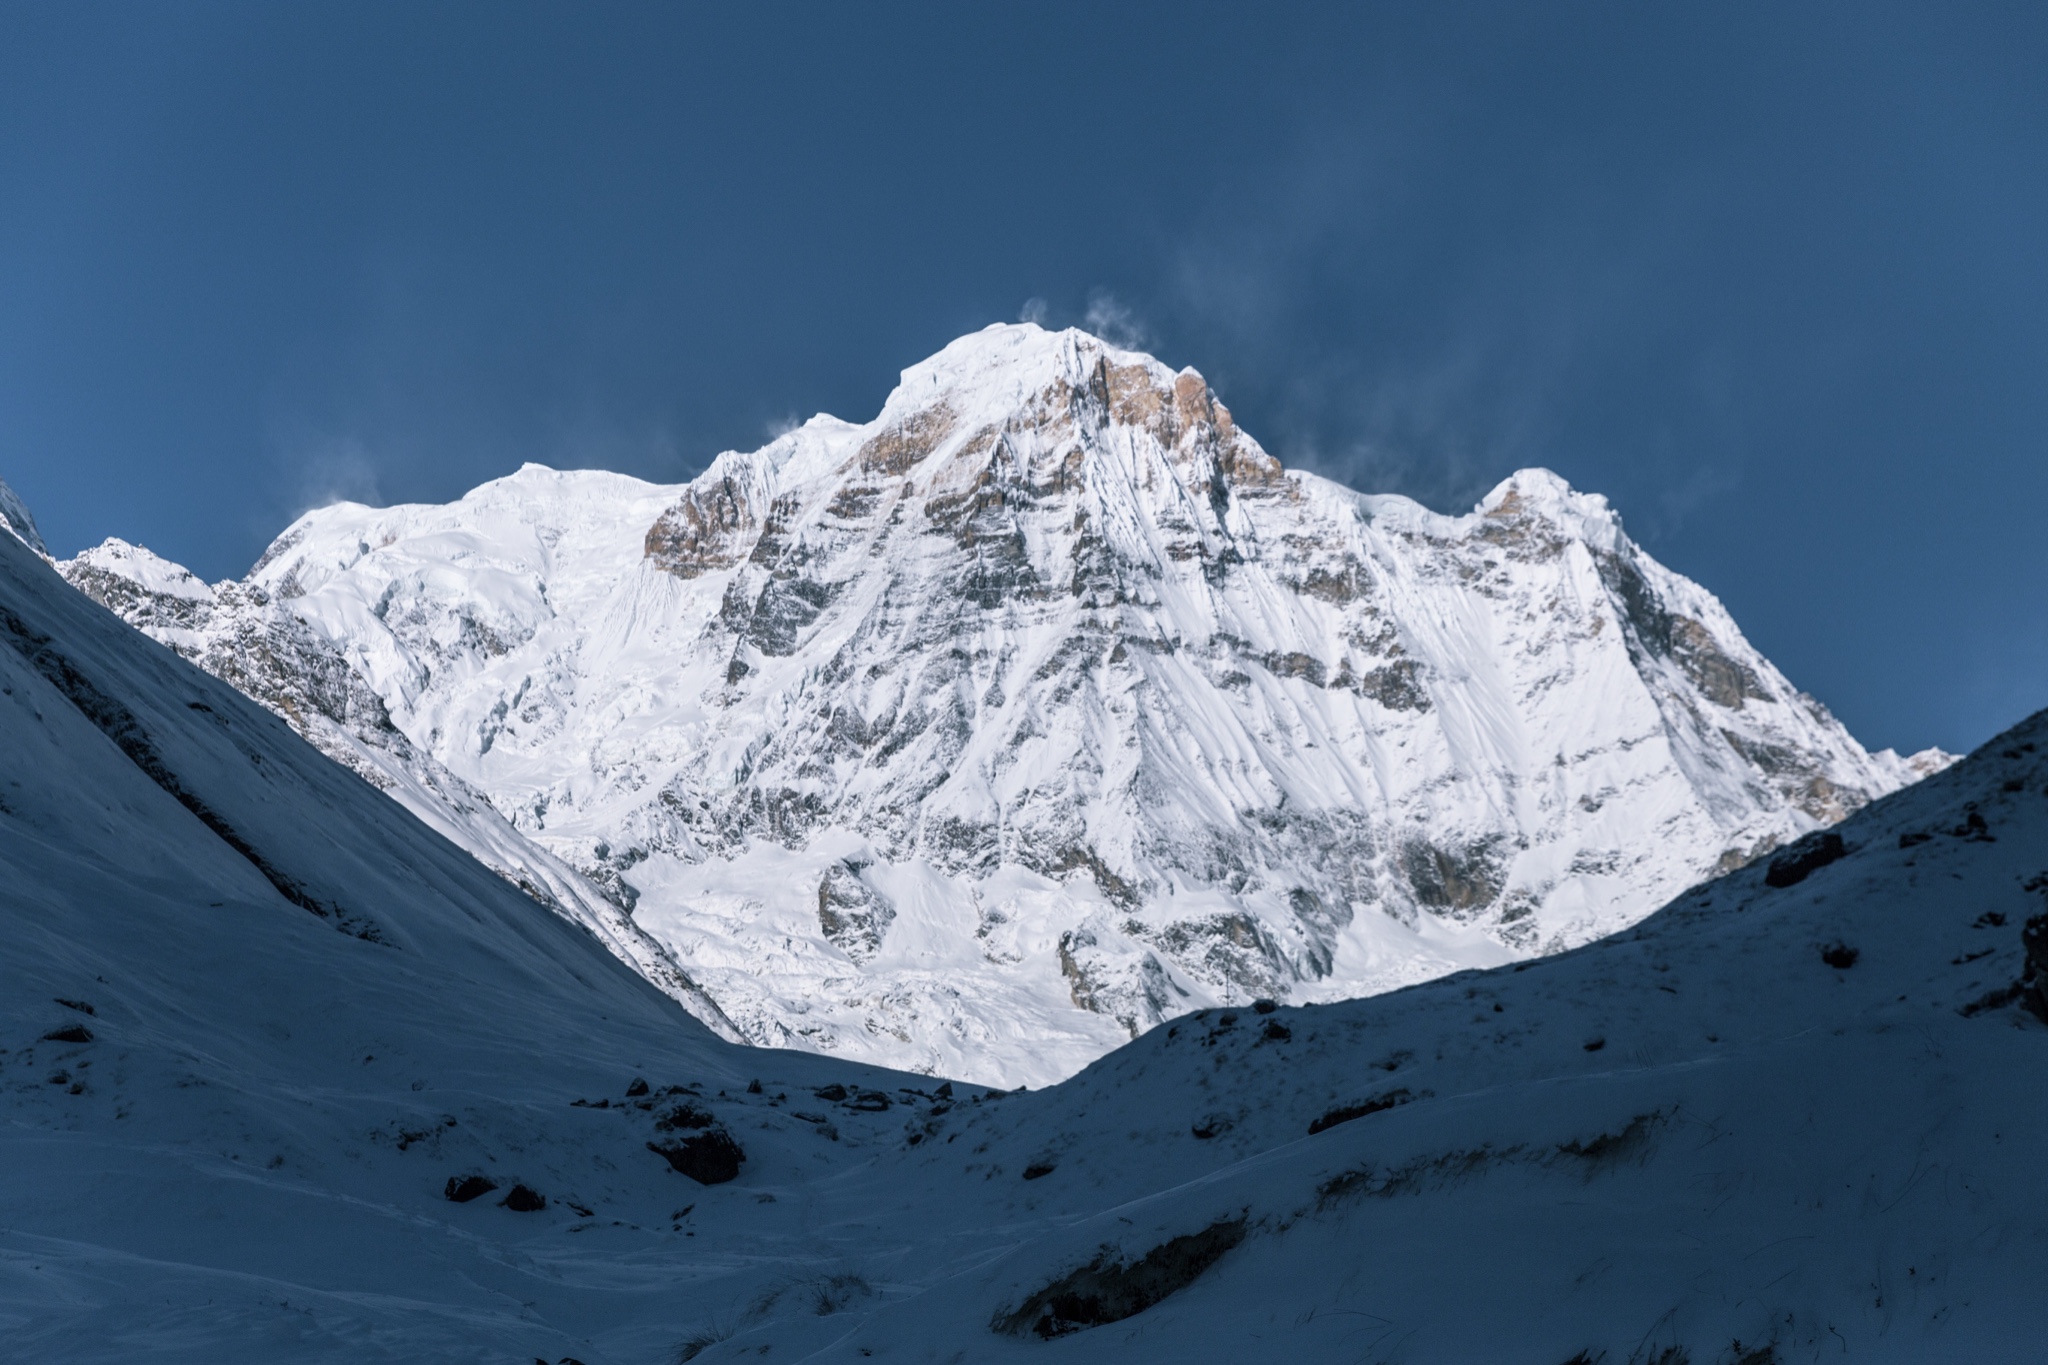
[1046, 707]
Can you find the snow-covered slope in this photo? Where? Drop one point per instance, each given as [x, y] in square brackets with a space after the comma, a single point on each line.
[255, 1018]
[15, 520]
[277, 660]
[1045, 707]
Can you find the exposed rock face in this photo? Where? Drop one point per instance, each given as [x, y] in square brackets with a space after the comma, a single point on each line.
[851, 915]
[1047, 706]
[712, 526]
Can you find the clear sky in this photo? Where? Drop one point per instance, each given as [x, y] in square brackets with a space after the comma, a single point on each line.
[1772, 277]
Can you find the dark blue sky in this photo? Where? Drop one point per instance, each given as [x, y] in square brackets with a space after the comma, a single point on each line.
[1774, 278]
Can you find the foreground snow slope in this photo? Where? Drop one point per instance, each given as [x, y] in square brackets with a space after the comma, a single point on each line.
[1762, 1116]
[1044, 707]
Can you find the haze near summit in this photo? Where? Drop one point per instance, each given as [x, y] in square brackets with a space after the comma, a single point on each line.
[1766, 277]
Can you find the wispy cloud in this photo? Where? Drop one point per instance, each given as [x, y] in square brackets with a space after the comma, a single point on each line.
[1404, 331]
[1115, 321]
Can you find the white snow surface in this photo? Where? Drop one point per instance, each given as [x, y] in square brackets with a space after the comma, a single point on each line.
[1045, 707]
[1717, 1137]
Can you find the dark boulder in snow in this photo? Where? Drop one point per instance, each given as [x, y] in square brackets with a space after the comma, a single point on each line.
[1805, 858]
[463, 1188]
[523, 1199]
[70, 1033]
[709, 1158]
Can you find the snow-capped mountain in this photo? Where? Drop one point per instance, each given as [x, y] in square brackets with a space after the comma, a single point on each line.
[285, 1076]
[1046, 706]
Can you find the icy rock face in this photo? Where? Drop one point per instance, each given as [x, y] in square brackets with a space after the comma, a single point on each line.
[15, 520]
[1042, 708]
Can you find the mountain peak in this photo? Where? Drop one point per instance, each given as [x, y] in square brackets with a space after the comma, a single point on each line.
[144, 568]
[1012, 367]
[1540, 492]
[1046, 706]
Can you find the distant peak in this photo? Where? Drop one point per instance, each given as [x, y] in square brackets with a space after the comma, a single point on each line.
[140, 565]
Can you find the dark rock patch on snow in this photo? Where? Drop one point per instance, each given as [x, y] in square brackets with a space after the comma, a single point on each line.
[684, 1117]
[1344, 1113]
[1415, 1177]
[1609, 1149]
[1993, 1000]
[1973, 828]
[523, 1199]
[1805, 858]
[463, 1188]
[1107, 1290]
[709, 1158]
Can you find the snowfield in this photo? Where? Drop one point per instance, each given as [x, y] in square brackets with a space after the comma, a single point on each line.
[980, 738]
[260, 1024]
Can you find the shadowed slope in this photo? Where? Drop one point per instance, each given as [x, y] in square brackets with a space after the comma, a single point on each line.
[1799, 1117]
